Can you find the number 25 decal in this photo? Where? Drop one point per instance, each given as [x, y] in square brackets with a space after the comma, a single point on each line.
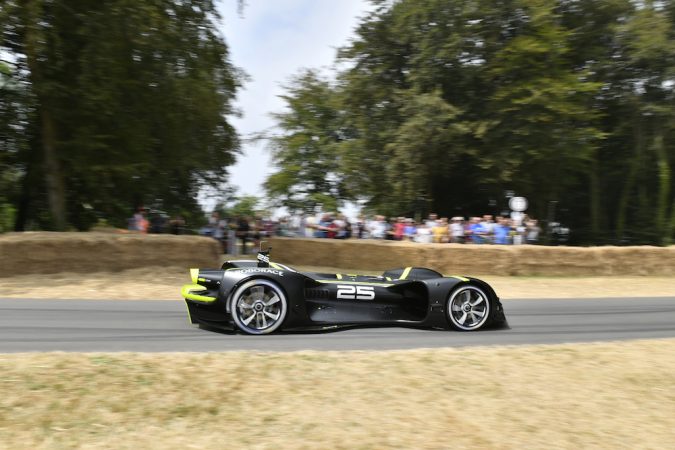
[349, 292]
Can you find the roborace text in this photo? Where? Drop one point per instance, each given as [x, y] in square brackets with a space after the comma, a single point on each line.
[259, 270]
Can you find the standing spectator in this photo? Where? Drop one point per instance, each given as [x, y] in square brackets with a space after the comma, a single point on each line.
[177, 224]
[468, 237]
[378, 228]
[423, 235]
[158, 222]
[136, 220]
[432, 221]
[348, 228]
[333, 229]
[532, 231]
[219, 231]
[341, 226]
[488, 226]
[232, 226]
[323, 226]
[310, 223]
[457, 230]
[501, 231]
[140, 223]
[399, 229]
[476, 231]
[243, 229]
[360, 227]
[369, 223]
[410, 229]
[391, 226]
[331, 226]
[441, 232]
[519, 235]
[296, 225]
[284, 228]
[213, 223]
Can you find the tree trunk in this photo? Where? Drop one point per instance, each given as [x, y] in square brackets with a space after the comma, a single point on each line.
[625, 196]
[663, 202]
[671, 231]
[595, 201]
[28, 183]
[630, 180]
[56, 193]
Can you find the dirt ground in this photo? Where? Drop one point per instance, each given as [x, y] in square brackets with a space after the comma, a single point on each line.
[165, 283]
[608, 395]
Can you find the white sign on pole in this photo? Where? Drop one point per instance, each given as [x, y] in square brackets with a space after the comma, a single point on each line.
[518, 204]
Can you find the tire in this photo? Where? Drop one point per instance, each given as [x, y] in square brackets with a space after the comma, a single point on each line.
[468, 308]
[258, 306]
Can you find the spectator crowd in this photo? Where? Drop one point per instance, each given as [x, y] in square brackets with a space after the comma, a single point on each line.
[147, 220]
[239, 233]
[458, 230]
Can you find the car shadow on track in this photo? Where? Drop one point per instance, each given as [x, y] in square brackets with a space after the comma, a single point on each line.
[338, 328]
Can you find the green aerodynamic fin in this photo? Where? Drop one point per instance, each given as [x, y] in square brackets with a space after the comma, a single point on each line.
[188, 292]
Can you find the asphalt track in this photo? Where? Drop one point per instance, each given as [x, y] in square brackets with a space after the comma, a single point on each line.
[160, 326]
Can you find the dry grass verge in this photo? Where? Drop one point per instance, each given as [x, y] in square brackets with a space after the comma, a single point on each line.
[164, 284]
[610, 395]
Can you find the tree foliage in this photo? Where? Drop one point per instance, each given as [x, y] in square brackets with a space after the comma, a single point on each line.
[445, 105]
[306, 151]
[244, 206]
[122, 103]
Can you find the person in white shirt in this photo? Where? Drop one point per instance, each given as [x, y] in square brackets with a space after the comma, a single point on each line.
[378, 228]
[457, 230]
[432, 221]
[423, 235]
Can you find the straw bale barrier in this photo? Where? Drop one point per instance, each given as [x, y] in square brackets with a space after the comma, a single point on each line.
[40, 252]
[34, 253]
[523, 260]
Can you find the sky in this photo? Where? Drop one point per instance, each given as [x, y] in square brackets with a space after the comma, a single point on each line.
[272, 41]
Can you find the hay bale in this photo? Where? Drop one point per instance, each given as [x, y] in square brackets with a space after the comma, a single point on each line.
[42, 252]
[523, 260]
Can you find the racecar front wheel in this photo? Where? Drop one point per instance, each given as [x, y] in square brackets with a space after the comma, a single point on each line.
[258, 307]
[468, 308]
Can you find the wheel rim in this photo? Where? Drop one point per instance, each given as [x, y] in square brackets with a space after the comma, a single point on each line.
[259, 307]
[468, 308]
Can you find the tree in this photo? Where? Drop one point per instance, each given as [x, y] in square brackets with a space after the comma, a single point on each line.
[306, 152]
[425, 150]
[246, 205]
[445, 105]
[649, 46]
[541, 112]
[12, 142]
[130, 104]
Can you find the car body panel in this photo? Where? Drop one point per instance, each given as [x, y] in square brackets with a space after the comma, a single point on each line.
[414, 297]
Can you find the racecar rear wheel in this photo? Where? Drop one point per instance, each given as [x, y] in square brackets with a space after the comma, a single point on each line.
[258, 307]
[468, 308]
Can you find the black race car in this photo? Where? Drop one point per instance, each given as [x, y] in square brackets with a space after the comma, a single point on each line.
[260, 297]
